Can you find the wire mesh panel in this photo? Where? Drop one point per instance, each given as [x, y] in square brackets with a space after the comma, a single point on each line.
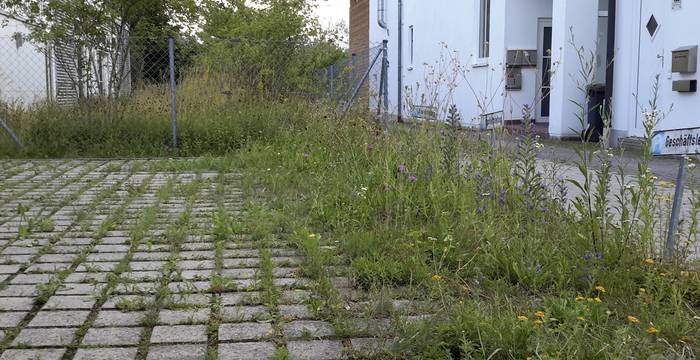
[24, 71]
[122, 90]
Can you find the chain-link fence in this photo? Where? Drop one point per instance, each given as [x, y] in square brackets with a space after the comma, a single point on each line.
[168, 78]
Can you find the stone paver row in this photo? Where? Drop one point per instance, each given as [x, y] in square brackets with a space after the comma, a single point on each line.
[149, 265]
[30, 179]
[40, 198]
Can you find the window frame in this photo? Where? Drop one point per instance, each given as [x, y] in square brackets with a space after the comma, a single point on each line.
[484, 33]
[412, 46]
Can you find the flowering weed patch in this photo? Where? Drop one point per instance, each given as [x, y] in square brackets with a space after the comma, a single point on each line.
[510, 270]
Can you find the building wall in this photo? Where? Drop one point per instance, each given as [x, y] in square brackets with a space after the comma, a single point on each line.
[444, 31]
[522, 32]
[449, 29]
[22, 66]
[641, 57]
[359, 26]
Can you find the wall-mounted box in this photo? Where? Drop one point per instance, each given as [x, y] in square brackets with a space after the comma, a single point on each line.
[685, 86]
[685, 60]
[521, 58]
[514, 79]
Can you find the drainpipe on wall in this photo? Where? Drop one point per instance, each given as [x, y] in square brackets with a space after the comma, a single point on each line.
[610, 62]
[399, 117]
[381, 16]
[639, 59]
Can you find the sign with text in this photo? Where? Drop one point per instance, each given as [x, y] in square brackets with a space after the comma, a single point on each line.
[676, 142]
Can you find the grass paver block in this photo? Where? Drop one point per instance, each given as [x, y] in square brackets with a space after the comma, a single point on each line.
[179, 334]
[33, 354]
[307, 328]
[59, 318]
[119, 318]
[316, 350]
[244, 331]
[247, 351]
[106, 354]
[112, 336]
[177, 352]
[45, 337]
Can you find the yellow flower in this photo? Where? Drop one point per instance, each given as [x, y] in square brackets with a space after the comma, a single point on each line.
[436, 277]
[311, 236]
[649, 261]
[580, 298]
[538, 322]
[685, 274]
[580, 318]
[539, 314]
[598, 300]
[665, 184]
[652, 330]
[632, 319]
[600, 289]
[663, 274]
[642, 290]
[522, 318]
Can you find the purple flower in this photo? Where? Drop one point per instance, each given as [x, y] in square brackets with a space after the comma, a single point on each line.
[412, 178]
[370, 147]
[402, 169]
[536, 268]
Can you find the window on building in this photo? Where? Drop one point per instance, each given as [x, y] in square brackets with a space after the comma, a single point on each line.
[411, 46]
[484, 27]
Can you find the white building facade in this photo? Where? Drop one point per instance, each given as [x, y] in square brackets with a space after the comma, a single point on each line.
[504, 56]
[33, 72]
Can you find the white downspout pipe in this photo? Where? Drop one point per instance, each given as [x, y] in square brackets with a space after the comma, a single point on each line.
[381, 15]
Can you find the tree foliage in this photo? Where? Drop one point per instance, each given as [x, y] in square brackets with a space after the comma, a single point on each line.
[275, 46]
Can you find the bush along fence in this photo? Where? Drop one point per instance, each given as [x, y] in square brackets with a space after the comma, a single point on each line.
[142, 88]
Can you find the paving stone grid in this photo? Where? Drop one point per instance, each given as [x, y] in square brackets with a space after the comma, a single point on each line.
[109, 260]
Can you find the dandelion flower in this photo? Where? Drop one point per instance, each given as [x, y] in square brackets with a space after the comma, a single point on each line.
[311, 236]
[642, 290]
[652, 330]
[600, 289]
[539, 314]
[522, 318]
[580, 318]
[598, 300]
[436, 277]
[633, 319]
[580, 298]
[538, 322]
[649, 261]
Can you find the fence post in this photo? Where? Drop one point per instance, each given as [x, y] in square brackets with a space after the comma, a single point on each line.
[332, 80]
[670, 249]
[353, 63]
[173, 91]
[11, 133]
[385, 74]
